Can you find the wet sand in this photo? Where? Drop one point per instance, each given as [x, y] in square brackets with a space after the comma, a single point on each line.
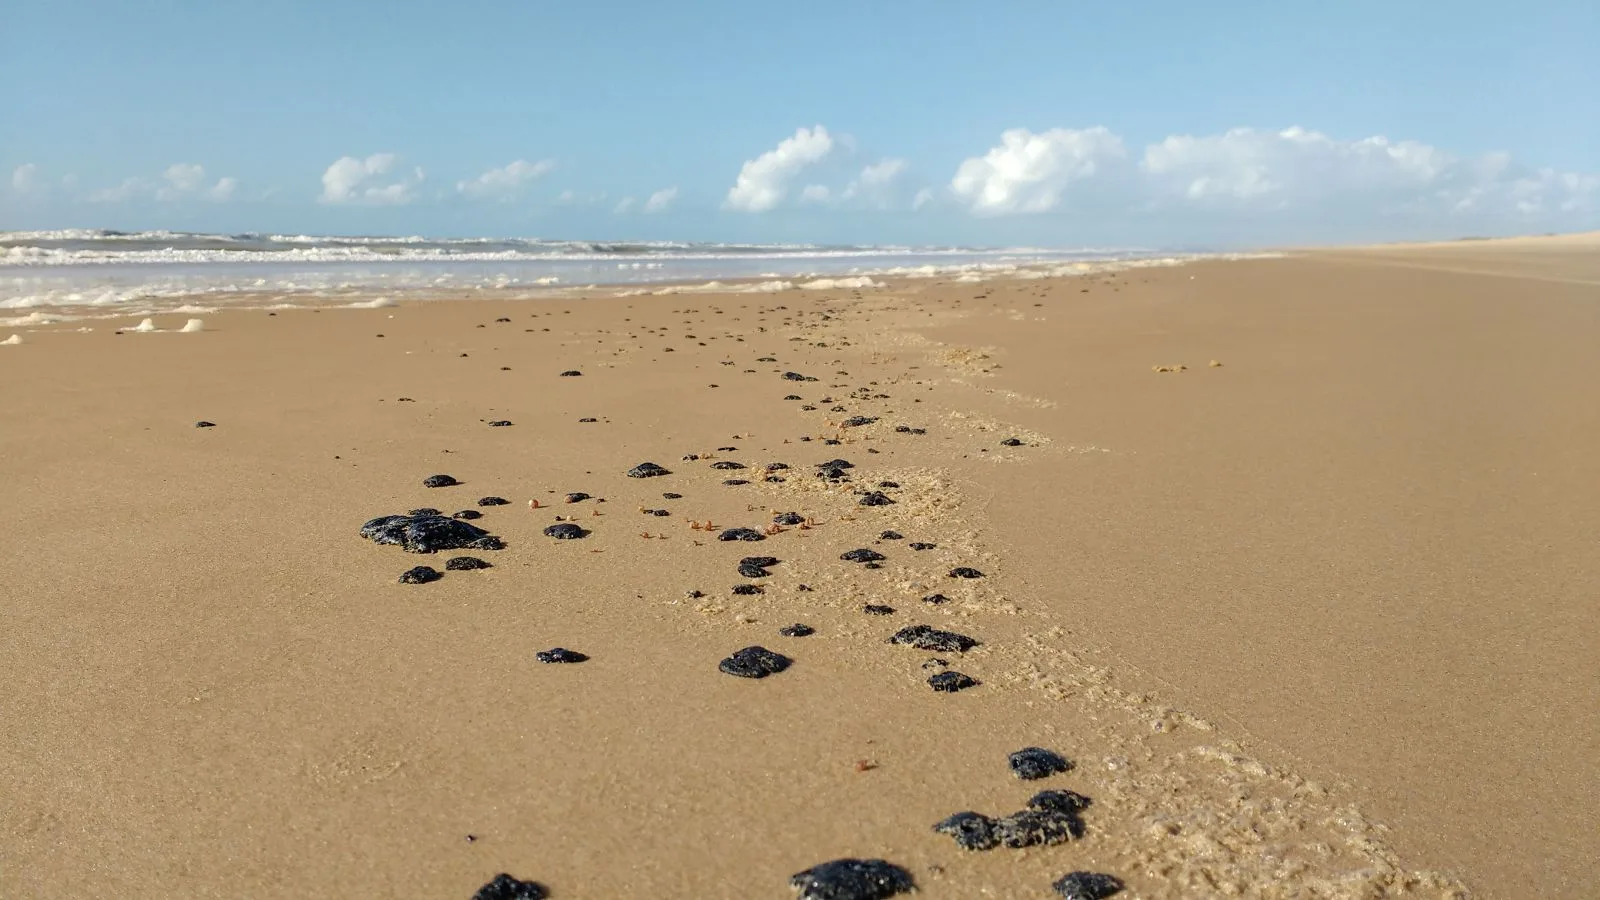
[1314, 622]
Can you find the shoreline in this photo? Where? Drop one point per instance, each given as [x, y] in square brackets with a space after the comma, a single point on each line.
[1082, 651]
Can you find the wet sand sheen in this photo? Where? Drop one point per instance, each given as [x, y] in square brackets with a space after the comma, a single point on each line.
[226, 689]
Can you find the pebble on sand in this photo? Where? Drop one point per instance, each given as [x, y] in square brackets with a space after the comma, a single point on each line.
[852, 879]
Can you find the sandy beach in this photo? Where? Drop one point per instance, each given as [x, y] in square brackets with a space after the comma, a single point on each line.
[1312, 613]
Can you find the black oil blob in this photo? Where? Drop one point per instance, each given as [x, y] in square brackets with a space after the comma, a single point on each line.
[797, 630]
[1011, 442]
[858, 421]
[434, 481]
[504, 887]
[891, 536]
[735, 482]
[571, 373]
[1059, 801]
[560, 655]
[424, 511]
[565, 531]
[971, 830]
[492, 501]
[577, 497]
[1087, 885]
[922, 545]
[936, 599]
[429, 534]
[950, 682]
[647, 470]
[861, 555]
[465, 564]
[877, 609]
[420, 575]
[499, 423]
[728, 465]
[1030, 763]
[587, 420]
[965, 572]
[671, 496]
[875, 498]
[754, 662]
[926, 637]
[788, 518]
[746, 590]
[748, 571]
[741, 534]
[852, 879]
[467, 514]
[204, 424]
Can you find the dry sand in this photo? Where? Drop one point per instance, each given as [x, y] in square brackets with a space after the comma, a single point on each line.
[1319, 621]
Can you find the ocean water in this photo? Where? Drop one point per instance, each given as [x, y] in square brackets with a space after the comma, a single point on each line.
[88, 273]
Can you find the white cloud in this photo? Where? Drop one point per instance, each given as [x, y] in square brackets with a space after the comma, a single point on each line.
[505, 182]
[923, 198]
[624, 206]
[763, 182]
[875, 186]
[1028, 172]
[815, 193]
[1270, 176]
[180, 181]
[25, 179]
[223, 189]
[352, 180]
[661, 200]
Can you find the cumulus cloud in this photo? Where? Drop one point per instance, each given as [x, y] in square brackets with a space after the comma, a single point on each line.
[876, 184]
[366, 181]
[180, 182]
[763, 182]
[1028, 172]
[624, 206]
[661, 200]
[923, 198]
[1268, 176]
[507, 181]
[25, 179]
[815, 193]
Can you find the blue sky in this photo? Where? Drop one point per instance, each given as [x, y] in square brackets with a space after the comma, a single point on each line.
[1050, 123]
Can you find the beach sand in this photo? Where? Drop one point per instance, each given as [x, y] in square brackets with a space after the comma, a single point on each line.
[1318, 621]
